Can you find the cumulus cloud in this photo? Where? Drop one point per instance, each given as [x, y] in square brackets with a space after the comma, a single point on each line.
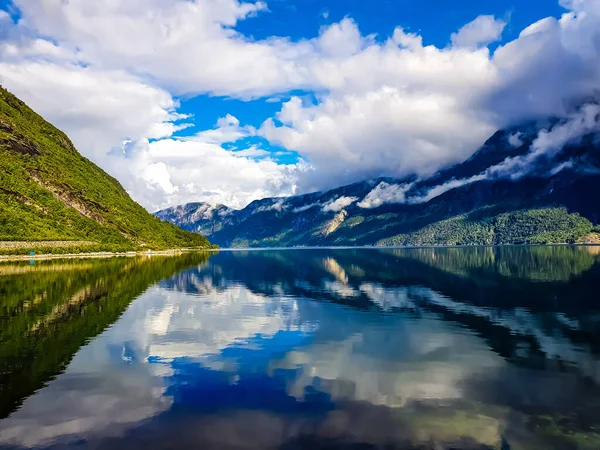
[482, 31]
[413, 112]
[362, 136]
[338, 204]
[341, 39]
[551, 67]
[169, 172]
[385, 193]
[171, 41]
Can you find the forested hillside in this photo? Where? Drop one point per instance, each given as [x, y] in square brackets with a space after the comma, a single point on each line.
[54, 199]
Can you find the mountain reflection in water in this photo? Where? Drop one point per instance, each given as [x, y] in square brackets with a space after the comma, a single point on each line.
[465, 348]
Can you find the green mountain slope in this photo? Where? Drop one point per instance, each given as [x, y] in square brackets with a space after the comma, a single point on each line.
[49, 192]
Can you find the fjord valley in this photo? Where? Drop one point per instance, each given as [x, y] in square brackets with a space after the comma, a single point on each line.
[529, 184]
[299, 225]
[52, 199]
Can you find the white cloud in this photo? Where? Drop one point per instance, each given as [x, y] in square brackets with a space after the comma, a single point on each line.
[385, 193]
[227, 129]
[228, 121]
[482, 31]
[410, 41]
[339, 204]
[306, 207]
[171, 41]
[551, 66]
[515, 139]
[99, 109]
[277, 204]
[158, 174]
[252, 152]
[445, 187]
[387, 132]
[341, 39]
[421, 108]
[546, 25]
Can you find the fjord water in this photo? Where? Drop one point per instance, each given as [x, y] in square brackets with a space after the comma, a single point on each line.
[465, 348]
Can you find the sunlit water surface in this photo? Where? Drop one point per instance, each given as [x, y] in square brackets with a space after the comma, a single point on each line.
[472, 348]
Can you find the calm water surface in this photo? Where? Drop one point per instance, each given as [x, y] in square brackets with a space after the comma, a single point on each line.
[474, 348]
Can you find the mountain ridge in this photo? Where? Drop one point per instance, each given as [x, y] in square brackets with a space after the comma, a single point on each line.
[527, 184]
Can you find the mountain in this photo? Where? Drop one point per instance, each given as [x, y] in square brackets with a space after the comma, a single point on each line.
[203, 218]
[533, 183]
[54, 199]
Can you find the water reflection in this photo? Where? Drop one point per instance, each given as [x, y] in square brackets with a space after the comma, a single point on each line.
[474, 348]
[50, 309]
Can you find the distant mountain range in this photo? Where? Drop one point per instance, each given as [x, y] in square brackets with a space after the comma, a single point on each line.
[53, 199]
[533, 183]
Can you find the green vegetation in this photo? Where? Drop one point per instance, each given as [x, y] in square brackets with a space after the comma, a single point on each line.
[50, 309]
[536, 226]
[540, 226]
[354, 221]
[443, 222]
[49, 192]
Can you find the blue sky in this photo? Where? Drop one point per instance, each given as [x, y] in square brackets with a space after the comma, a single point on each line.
[227, 101]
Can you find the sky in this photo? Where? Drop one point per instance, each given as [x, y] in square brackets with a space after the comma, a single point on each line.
[227, 101]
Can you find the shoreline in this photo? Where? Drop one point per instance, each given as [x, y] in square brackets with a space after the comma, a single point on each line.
[403, 247]
[101, 255]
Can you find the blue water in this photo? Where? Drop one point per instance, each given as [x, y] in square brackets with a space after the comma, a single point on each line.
[486, 348]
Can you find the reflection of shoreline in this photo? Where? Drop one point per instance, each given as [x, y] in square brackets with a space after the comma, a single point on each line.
[8, 270]
[557, 263]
